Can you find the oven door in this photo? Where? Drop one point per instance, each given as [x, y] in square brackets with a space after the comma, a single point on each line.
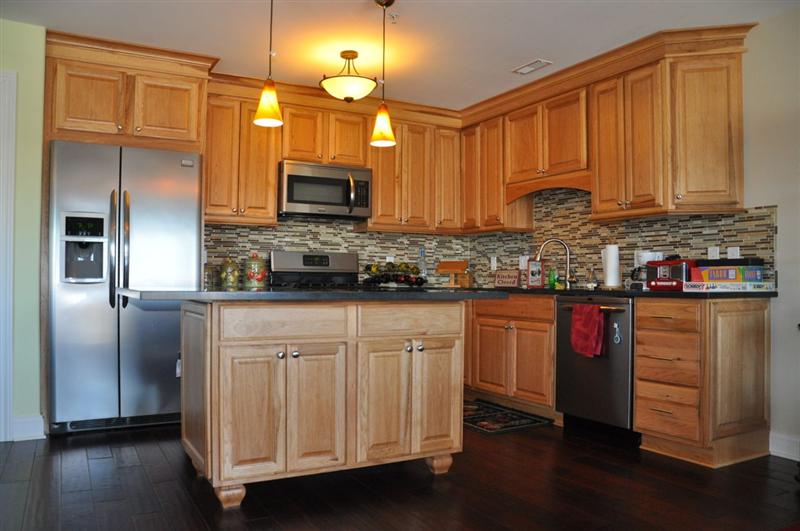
[323, 190]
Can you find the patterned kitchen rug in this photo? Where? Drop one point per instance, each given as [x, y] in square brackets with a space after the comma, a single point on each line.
[491, 418]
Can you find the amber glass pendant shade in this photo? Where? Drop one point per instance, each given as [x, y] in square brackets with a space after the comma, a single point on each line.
[268, 113]
[382, 133]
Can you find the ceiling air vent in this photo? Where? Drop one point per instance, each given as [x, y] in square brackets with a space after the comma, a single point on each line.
[533, 66]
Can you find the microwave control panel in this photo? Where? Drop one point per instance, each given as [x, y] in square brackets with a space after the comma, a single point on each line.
[362, 194]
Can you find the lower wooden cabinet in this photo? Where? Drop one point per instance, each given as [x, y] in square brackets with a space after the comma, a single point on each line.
[490, 341]
[532, 370]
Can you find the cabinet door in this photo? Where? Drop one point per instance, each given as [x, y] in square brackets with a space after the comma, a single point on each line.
[221, 159]
[707, 135]
[470, 177]
[384, 399]
[347, 139]
[259, 153]
[492, 198]
[437, 395]
[417, 153]
[387, 187]
[607, 119]
[490, 372]
[564, 133]
[89, 98]
[252, 398]
[523, 140]
[167, 107]
[447, 189]
[532, 359]
[644, 163]
[303, 134]
[315, 405]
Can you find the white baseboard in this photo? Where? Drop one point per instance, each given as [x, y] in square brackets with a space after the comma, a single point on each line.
[27, 428]
[784, 445]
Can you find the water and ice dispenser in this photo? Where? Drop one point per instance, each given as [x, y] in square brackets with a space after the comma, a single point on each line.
[83, 248]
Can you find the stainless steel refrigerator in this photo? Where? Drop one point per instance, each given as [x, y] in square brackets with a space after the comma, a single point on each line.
[127, 217]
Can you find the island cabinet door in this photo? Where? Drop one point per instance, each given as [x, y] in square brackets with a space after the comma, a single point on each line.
[437, 395]
[384, 399]
[253, 410]
[490, 370]
[315, 405]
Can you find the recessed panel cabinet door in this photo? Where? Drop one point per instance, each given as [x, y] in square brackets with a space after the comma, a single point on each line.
[491, 366]
[89, 98]
[303, 134]
[533, 362]
[259, 153]
[387, 187]
[253, 410]
[564, 133]
[644, 164]
[221, 159]
[447, 189]
[470, 177]
[437, 402]
[417, 152]
[608, 145]
[347, 140]
[166, 107]
[523, 157]
[384, 399]
[492, 197]
[316, 393]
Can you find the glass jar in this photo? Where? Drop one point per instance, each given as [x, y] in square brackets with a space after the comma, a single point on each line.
[229, 275]
[211, 278]
[255, 273]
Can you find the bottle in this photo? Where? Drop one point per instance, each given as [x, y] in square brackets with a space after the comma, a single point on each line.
[422, 263]
[552, 278]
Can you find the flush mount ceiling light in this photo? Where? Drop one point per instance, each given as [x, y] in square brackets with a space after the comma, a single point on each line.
[348, 84]
[268, 113]
[382, 133]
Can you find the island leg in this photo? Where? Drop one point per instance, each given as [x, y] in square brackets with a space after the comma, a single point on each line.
[439, 464]
[230, 496]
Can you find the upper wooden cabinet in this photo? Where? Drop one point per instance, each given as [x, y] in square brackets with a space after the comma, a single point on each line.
[470, 176]
[447, 171]
[492, 197]
[240, 166]
[639, 119]
[546, 139]
[109, 92]
[324, 137]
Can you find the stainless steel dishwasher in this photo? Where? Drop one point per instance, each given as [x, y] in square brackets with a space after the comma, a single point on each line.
[599, 388]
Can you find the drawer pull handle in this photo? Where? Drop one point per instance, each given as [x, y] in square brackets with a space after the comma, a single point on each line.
[602, 308]
[664, 358]
[662, 317]
[659, 410]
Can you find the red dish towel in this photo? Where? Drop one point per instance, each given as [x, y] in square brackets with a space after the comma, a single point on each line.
[588, 328]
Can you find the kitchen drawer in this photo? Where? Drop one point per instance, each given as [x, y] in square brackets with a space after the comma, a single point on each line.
[282, 321]
[682, 372]
[668, 346]
[667, 314]
[667, 419]
[410, 320]
[531, 307]
[676, 394]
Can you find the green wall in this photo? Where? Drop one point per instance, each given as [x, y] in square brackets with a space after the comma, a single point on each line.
[22, 50]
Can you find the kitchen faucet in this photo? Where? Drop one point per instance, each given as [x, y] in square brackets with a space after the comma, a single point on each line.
[538, 257]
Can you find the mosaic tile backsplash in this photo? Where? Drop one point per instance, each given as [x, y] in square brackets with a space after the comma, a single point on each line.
[557, 213]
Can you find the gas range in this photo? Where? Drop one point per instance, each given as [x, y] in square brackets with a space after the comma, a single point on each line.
[314, 270]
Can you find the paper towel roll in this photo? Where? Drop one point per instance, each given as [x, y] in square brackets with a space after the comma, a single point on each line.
[611, 278]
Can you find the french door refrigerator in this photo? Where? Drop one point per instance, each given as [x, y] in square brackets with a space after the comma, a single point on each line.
[119, 217]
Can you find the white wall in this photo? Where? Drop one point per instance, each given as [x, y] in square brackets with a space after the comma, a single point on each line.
[772, 177]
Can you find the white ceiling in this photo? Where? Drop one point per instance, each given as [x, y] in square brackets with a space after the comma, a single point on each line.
[447, 53]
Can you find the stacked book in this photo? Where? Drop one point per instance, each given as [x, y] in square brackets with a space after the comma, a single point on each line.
[729, 274]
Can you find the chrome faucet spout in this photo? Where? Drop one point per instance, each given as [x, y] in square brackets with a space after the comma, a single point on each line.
[538, 256]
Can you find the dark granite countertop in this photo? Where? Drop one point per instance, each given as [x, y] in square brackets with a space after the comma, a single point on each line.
[292, 294]
[637, 293]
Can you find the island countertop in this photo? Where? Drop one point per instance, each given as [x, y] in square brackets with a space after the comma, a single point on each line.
[293, 294]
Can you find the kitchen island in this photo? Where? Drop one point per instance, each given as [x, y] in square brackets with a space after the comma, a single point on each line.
[285, 383]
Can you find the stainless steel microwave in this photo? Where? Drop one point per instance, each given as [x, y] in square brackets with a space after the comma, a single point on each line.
[322, 190]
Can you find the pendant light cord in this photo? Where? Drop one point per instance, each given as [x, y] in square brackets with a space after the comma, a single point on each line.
[269, 52]
[383, 66]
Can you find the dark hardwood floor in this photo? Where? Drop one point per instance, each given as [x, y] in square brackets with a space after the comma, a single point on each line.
[538, 478]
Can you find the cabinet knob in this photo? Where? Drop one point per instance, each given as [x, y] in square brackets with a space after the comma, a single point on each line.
[119, 127]
[620, 203]
[319, 155]
[678, 196]
[233, 210]
[497, 217]
[138, 129]
[333, 157]
[296, 354]
[409, 348]
[420, 347]
[281, 355]
[241, 211]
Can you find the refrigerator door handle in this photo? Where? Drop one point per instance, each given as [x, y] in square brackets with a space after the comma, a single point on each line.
[126, 242]
[112, 250]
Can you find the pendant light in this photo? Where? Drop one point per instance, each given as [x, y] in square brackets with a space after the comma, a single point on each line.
[348, 84]
[382, 133]
[268, 113]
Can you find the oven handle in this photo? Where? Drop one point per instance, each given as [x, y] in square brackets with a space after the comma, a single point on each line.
[602, 308]
[352, 202]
